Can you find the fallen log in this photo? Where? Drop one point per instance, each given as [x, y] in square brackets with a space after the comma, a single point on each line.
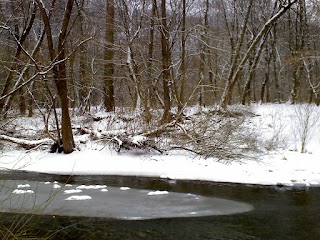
[27, 144]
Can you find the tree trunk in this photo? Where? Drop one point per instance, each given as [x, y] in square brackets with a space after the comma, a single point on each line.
[181, 100]
[59, 71]
[274, 61]
[201, 102]
[264, 90]
[84, 103]
[233, 74]
[254, 63]
[61, 82]
[148, 95]
[236, 67]
[211, 80]
[165, 64]
[108, 58]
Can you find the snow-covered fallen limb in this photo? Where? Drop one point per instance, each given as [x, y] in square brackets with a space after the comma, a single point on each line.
[159, 129]
[134, 142]
[122, 140]
[28, 144]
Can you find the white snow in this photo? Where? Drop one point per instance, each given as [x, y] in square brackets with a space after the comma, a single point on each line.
[91, 187]
[124, 188]
[158, 193]
[23, 185]
[138, 139]
[70, 191]
[56, 186]
[280, 163]
[20, 191]
[78, 198]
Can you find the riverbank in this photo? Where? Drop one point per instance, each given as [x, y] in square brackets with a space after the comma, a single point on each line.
[279, 161]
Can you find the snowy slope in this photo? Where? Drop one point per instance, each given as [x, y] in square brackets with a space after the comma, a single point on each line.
[279, 129]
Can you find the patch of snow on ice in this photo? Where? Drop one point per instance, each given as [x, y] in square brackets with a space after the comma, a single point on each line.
[91, 187]
[56, 185]
[23, 185]
[124, 188]
[19, 191]
[104, 190]
[78, 198]
[158, 193]
[47, 183]
[72, 191]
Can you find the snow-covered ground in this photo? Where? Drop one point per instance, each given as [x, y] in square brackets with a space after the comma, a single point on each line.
[280, 129]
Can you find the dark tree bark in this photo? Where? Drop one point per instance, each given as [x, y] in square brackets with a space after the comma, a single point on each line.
[252, 67]
[165, 64]
[297, 45]
[84, 99]
[108, 58]
[264, 96]
[181, 100]
[148, 95]
[59, 70]
[212, 81]
[274, 64]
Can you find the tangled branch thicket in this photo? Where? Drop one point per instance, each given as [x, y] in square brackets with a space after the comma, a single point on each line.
[209, 133]
[221, 135]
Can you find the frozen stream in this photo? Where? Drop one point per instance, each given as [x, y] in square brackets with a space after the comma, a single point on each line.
[92, 200]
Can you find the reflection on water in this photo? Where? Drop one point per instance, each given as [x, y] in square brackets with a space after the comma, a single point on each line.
[278, 214]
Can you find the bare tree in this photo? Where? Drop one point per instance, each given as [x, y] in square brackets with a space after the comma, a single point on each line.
[20, 36]
[165, 63]
[57, 57]
[237, 63]
[181, 100]
[297, 44]
[108, 57]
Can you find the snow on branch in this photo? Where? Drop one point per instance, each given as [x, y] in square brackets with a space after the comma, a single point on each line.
[28, 144]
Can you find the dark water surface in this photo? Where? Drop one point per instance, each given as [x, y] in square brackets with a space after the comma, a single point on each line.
[279, 213]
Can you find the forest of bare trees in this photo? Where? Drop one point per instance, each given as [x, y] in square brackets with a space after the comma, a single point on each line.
[74, 55]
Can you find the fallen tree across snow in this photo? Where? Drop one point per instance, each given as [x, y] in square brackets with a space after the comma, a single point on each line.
[27, 144]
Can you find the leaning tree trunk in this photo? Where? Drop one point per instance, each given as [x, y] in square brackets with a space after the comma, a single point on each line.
[236, 68]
